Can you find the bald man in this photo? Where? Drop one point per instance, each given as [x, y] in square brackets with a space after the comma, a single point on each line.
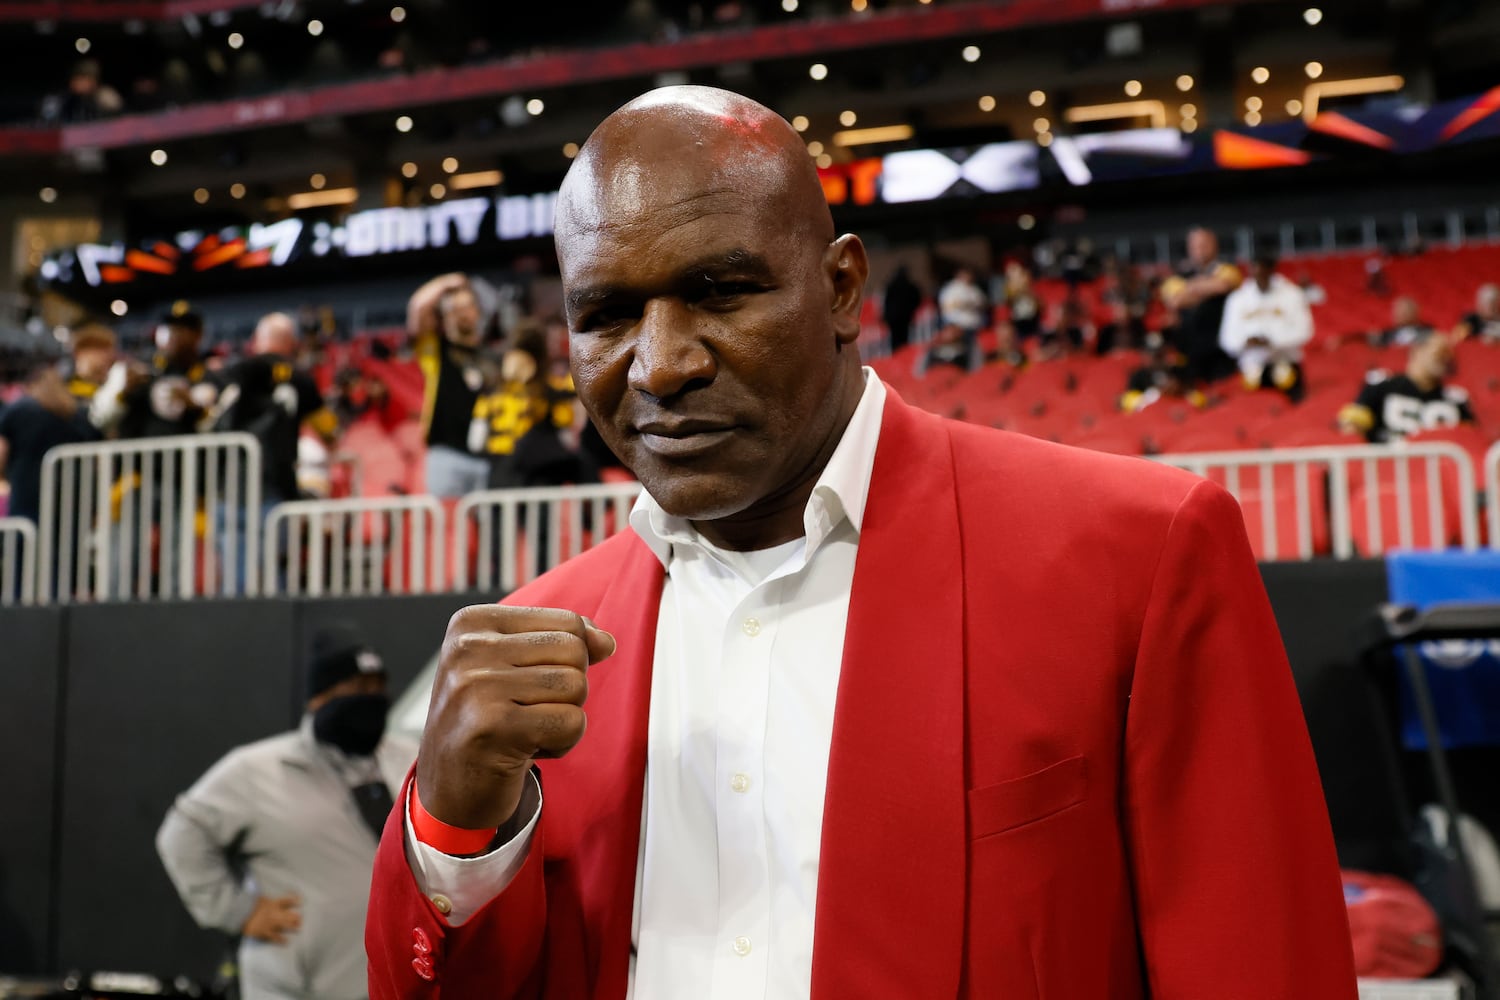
[268, 396]
[866, 703]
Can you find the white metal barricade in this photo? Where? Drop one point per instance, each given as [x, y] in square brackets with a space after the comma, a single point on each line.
[168, 517]
[17, 561]
[519, 534]
[1349, 500]
[381, 545]
[1492, 491]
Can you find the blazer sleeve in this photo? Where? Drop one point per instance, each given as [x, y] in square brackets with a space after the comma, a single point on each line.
[412, 950]
[1236, 881]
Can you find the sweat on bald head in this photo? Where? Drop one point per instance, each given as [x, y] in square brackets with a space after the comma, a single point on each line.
[675, 148]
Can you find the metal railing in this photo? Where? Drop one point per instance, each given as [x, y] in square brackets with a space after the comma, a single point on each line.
[1492, 491]
[506, 538]
[382, 545]
[17, 561]
[159, 517]
[1370, 498]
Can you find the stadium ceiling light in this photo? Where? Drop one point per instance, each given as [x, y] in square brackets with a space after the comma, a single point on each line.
[817, 71]
[1132, 88]
[1184, 83]
[1252, 118]
[1154, 110]
[159, 157]
[322, 199]
[859, 5]
[1188, 111]
[438, 191]
[235, 39]
[118, 307]
[1347, 88]
[315, 27]
[1041, 125]
[1189, 125]
[986, 103]
[1260, 74]
[236, 191]
[398, 14]
[790, 6]
[1313, 70]
[317, 182]
[535, 106]
[824, 162]
[477, 179]
[201, 196]
[871, 136]
[48, 194]
[570, 149]
[971, 53]
[1027, 221]
[1312, 15]
[1038, 98]
[404, 123]
[83, 45]
[815, 148]
[450, 164]
[848, 118]
[408, 170]
[1253, 103]
[1294, 107]
[800, 123]
[1044, 139]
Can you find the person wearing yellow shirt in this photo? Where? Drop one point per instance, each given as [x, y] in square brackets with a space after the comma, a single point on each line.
[445, 318]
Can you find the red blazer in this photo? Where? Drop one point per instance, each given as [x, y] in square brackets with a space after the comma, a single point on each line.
[1068, 759]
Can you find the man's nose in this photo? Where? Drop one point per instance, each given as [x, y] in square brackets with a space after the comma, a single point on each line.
[670, 357]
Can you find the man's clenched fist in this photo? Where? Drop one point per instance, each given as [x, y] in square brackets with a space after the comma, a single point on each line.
[510, 687]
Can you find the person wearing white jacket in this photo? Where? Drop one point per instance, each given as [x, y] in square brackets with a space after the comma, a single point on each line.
[1266, 322]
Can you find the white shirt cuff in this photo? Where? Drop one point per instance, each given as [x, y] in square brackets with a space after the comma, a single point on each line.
[461, 887]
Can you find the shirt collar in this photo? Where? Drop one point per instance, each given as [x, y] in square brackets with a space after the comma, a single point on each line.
[839, 494]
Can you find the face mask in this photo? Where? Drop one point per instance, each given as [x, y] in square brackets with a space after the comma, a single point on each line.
[354, 723]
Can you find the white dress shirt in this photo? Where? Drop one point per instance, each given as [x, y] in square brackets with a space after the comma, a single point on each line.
[1279, 314]
[748, 651]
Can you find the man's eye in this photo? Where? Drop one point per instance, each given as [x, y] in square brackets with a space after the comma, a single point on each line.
[606, 319]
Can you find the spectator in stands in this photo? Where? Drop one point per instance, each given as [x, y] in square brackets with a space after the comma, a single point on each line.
[1125, 299]
[1266, 322]
[1072, 327]
[1197, 295]
[899, 305]
[265, 395]
[47, 415]
[95, 351]
[1021, 300]
[1484, 321]
[179, 390]
[961, 307]
[1407, 326]
[1390, 407]
[1164, 376]
[1316, 294]
[444, 317]
[275, 843]
[86, 98]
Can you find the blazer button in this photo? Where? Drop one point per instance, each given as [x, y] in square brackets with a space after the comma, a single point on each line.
[420, 942]
[442, 904]
[423, 968]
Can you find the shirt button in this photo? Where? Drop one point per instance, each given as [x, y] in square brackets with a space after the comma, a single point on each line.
[742, 946]
[751, 626]
[740, 783]
[442, 904]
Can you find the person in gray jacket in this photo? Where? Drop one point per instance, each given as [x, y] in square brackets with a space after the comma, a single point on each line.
[276, 842]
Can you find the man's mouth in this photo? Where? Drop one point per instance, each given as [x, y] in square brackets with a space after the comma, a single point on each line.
[684, 438]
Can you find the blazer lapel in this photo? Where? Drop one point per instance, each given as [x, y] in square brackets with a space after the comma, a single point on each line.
[613, 765]
[892, 869]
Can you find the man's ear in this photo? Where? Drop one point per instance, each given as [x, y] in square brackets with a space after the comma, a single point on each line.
[848, 268]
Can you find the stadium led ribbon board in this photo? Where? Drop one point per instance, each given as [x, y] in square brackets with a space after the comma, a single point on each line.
[371, 233]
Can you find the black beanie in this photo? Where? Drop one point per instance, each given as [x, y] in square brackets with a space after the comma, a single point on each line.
[338, 653]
